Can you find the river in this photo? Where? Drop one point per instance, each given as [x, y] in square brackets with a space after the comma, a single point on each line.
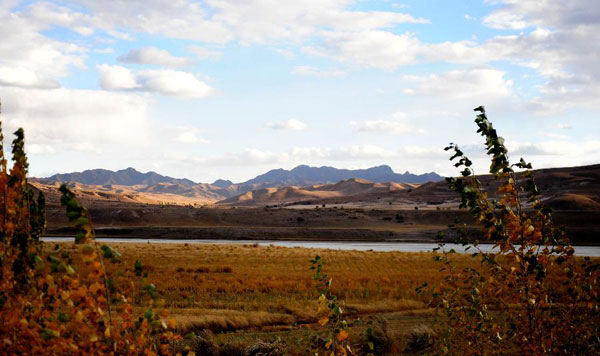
[592, 251]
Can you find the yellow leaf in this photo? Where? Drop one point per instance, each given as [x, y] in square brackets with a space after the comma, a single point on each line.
[93, 338]
[95, 287]
[172, 323]
[328, 344]
[107, 333]
[323, 321]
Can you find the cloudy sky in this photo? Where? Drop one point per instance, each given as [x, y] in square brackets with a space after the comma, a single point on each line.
[231, 88]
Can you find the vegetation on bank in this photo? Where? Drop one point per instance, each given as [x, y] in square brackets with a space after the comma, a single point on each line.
[533, 297]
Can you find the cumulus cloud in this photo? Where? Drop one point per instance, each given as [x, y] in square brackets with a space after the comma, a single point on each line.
[397, 123]
[156, 56]
[589, 149]
[163, 81]
[186, 135]
[75, 119]
[479, 82]
[30, 59]
[25, 78]
[291, 124]
[222, 21]
[317, 72]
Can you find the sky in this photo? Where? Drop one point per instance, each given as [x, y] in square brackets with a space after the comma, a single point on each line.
[230, 89]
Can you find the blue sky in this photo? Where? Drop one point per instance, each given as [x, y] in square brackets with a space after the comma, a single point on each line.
[229, 89]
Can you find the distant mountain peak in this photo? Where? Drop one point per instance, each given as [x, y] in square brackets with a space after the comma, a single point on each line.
[128, 176]
[306, 175]
[222, 183]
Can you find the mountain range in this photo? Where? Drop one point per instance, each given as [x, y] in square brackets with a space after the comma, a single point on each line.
[151, 184]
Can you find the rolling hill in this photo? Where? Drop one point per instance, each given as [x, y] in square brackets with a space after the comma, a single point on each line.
[151, 187]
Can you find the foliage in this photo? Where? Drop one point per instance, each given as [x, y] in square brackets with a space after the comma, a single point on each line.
[375, 339]
[531, 297]
[330, 312]
[57, 303]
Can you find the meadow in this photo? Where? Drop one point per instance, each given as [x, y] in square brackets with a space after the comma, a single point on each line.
[245, 293]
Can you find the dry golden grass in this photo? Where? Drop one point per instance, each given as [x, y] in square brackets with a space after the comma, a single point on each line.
[277, 280]
[268, 291]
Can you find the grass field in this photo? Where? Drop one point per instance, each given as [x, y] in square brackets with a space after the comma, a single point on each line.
[245, 293]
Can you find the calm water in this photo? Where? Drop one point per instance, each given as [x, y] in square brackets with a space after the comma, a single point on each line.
[593, 251]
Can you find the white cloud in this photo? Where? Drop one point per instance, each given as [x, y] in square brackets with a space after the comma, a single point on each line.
[317, 72]
[165, 82]
[25, 78]
[174, 83]
[116, 77]
[249, 22]
[106, 50]
[472, 83]
[205, 53]
[372, 48]
[155, 56]
[578, 151]
[36, 149]
[187, 135]
[505, 21]
[398, 123]
[469, 17]
[28, 58]
[72, 119]
[291, 124]
[287, 53]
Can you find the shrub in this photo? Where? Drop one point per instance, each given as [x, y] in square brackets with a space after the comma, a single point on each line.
[232, 349]
[420, 338]
[52, 305]
[376, 340]
[262, 348]
[531, 297]
[204, 345]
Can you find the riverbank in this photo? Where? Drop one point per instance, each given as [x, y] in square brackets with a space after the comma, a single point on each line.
[398, 246]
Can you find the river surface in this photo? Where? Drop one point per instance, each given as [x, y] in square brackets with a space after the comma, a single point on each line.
[593, 251]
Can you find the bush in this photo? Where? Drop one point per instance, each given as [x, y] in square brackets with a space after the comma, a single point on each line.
[52, 305]
[204, 345]
[553, 296]
[262, 348]
[232, 349]
[376, 340]
[420, 338]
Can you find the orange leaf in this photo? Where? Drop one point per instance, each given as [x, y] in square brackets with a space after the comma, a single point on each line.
[342, 335]
[172, 323]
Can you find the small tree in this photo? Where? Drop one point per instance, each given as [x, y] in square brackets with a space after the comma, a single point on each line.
[532, 296]
[52, 302]
[330, 313]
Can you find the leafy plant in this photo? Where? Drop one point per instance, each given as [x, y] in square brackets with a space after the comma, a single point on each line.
[532, 296]
[330, 312]
[54, 303]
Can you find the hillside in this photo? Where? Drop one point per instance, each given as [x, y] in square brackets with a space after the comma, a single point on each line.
[134, 186]
[344, 189]
[128, 177]
[571, 188]
[304, 175]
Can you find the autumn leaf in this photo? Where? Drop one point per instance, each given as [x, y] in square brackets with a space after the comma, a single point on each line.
[342, 335]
